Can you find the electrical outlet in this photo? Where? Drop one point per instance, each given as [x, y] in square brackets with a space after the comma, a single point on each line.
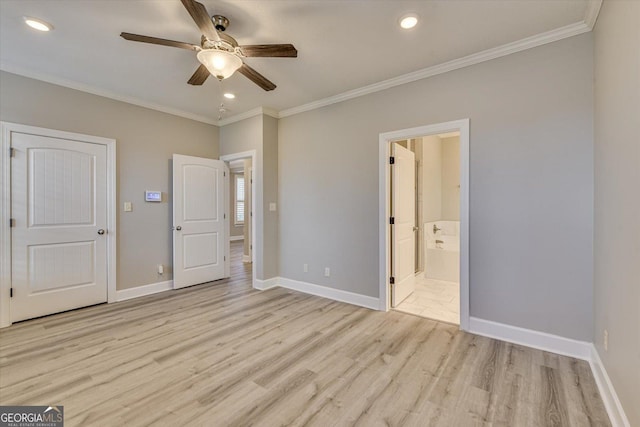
[327, 272]
[128, 207]
[606, 340]
[305, 268]
[160, 269]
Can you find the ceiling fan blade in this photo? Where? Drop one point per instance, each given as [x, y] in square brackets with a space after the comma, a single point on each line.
[202, 19]
[155, 40]
[199, 77]
[270, 50]
[256, 77]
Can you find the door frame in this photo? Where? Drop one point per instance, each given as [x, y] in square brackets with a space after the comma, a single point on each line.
[384, 191]
[6, 128]
[255, 187]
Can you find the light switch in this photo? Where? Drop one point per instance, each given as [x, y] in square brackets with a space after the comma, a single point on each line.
[272, 207]
[128, 207]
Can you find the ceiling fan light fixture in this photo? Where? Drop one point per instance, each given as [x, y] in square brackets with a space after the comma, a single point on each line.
[409, 21]
[221, 64]
[229, 95]
[37, 24]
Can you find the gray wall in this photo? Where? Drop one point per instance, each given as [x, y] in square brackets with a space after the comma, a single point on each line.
[617, 198]
[531, 184]
[146, 140]
[257, 133]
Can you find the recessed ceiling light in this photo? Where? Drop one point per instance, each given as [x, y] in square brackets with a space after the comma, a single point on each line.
[38, 24]
[409, 21]
[229, 96]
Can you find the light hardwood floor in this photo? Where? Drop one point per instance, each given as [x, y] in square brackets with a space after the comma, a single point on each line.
[223, 354]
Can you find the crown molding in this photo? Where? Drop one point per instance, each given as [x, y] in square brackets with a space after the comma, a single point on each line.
[248, 114]
[9, 68]
[591, 15]
[476, 58]
[592, 12]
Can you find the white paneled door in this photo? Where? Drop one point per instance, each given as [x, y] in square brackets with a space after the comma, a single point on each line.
[59, 211]
[403, 202]
[199, 231]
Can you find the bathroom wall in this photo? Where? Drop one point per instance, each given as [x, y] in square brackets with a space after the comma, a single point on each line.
[450, 179]
[440, 161]
[432, 178]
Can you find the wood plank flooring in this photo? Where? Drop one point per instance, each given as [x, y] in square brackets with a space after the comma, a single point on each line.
[223, 354]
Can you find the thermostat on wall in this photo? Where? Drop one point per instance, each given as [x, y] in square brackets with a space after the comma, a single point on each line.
[153, 196]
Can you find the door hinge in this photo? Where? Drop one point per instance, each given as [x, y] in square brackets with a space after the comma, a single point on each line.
[225, 258]
[392, 220]
[392, 280]
[392, 160]
[10, 292]
[12, 151]
[251, 247]
[224, 216]
[224, 174]
[12, 222]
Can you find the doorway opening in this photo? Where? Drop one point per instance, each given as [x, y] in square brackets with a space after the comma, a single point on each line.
[243, 188]
[424, 208]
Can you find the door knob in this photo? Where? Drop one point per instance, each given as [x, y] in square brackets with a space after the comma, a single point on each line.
[101, 232]
[178, 228]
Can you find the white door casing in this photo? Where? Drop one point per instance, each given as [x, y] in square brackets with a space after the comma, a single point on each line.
[403, 250]
[384, 190]
[248, 185]
[200, 228]
[59, 238]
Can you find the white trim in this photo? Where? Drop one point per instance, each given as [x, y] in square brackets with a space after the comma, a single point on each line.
[5, 230]
[530, 338]
[384, 189]
[6, 128]
[246, 258]
[263, 285]
[331, 293]
[140, 291]
[235, 238]
[466, 61]
[609, 396]
[248, 114]
[320, 291]
[255, 187]
[10, 68]
[592, 12]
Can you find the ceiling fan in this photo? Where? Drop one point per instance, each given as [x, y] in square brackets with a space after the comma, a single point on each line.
[219, 54]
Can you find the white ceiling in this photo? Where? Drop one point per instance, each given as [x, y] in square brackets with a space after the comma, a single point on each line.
[342, 45]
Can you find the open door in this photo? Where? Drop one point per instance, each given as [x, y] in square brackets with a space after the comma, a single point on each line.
[199, 231]
[403, 208]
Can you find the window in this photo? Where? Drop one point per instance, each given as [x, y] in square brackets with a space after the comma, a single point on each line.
[239, 200]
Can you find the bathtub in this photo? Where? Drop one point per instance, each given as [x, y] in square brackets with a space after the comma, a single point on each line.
[442, 251]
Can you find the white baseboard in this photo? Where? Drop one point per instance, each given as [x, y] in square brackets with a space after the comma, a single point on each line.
[607, 392]
[141, 291]
[265, 284]
[235, 238]
[331, 293]
[530, 338]
[246, 258]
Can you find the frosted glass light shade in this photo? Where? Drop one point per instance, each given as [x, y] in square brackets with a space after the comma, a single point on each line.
[220, 64]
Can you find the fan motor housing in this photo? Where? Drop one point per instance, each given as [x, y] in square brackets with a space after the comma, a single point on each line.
[220, 22]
